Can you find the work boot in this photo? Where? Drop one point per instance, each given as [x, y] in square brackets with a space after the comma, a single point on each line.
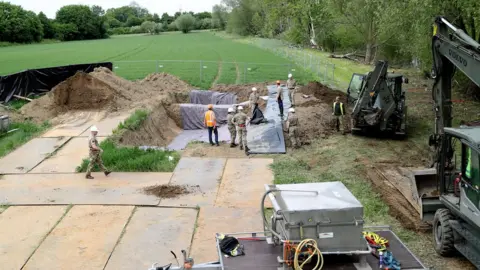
[107, 173]
[232, 145]
[218, 144]
[88, 176]
[247, 150]
[212, 144]
[241, 147]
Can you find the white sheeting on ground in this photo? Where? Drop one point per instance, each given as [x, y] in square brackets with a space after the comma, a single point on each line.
[206, 97]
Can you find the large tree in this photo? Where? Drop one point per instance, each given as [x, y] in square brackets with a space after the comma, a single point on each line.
[185, 23]
[19, 25]
[89, 25]
[48, 29]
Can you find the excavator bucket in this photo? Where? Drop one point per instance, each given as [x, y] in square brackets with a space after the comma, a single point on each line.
[416, 185]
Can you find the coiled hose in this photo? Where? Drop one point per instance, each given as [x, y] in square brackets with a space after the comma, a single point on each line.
[311, 244]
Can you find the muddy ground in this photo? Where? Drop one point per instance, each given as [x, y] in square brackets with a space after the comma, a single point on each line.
[171, 191]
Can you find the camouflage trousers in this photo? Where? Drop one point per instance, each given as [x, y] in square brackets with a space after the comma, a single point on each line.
[293, 135]
[95, 158]
[291, 95]
[233, 134]
[242, 136]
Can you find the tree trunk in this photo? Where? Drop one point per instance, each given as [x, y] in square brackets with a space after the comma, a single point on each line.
[368, 53]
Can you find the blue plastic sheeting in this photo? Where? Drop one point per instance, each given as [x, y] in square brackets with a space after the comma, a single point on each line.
[267, 138]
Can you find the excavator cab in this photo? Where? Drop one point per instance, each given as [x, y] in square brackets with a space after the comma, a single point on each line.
[356, 84]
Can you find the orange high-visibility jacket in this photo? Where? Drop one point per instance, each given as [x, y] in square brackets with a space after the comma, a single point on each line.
[210, 120]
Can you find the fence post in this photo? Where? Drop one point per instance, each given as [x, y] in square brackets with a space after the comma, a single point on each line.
[333, 73]
[201, 67]
[304, 60]
[245, 73]
[311, 61]
[326, 72]
[156, 66]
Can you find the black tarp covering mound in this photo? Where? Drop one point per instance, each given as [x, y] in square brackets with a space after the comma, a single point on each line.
[257, 116]
[37, 81]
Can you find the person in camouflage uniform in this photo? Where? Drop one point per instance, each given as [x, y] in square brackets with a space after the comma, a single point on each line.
[240, 120]
[291, 85]
[95, 154]
[292, 127]
[254, 98]
[231, 127]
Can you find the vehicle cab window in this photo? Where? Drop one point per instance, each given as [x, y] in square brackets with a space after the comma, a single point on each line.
[470, 172]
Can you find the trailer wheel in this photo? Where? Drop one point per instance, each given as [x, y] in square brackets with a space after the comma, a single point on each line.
[443, 233]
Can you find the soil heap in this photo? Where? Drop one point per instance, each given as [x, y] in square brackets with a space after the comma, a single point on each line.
[105, 91]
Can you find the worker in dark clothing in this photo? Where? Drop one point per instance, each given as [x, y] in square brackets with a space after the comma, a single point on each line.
[279, 99]
[338, 113]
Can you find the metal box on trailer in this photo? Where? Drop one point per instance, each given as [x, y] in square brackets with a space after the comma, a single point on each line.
[332, 216]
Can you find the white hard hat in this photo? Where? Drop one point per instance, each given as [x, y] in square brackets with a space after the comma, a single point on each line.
[291, 110]
[231, 110]
[290, 75]
[240, 108]
[94, 129]
[254, 89]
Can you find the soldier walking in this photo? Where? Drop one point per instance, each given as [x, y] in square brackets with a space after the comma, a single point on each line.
[231, 127]
[240, 120]
[338, 113]
[254, 97]
[291, 85]
[279, 99]
[95, 154]
[292, 127]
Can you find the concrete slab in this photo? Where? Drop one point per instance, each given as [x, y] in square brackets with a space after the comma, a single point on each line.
[243, 182]
[67, 158]
[150, 235]
[23, 229]
[30, 154]
[84, 239]
[70, 129]
[107, 125]
[212, 220]
[204, 172]
[117, 188]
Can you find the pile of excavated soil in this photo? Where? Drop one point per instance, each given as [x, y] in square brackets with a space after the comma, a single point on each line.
[170, 191]
[159, 129]
[104, 90]
[315, 111]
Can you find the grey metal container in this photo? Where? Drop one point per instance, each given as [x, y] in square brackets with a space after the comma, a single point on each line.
[332, 216]
[4, 123]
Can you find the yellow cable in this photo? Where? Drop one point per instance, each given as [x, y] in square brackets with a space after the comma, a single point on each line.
[317, 251]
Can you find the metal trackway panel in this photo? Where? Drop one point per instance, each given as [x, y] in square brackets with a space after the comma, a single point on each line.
[203, 175]
[266, 138]
[30, 154]
[117, 188]
[150, 235]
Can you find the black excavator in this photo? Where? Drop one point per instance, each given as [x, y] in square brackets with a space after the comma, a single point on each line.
[453, 202]
[378, 101]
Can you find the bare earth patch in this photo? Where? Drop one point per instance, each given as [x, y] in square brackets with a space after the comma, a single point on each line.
[170, 191]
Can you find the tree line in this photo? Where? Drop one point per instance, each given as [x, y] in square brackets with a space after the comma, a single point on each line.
[81, 22]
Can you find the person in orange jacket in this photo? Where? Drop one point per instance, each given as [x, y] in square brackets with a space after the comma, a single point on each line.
[211, 123]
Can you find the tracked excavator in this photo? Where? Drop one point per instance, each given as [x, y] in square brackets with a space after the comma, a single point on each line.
[448, 194]
[378, 101]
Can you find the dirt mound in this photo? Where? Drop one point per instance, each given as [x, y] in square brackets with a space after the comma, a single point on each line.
[170, 191]
[104, 90]
[82, 91]
[322, 92]
[157, 130]
[242, 90]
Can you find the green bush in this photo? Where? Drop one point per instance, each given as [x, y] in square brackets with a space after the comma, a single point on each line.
[134, 121]
[185, 23]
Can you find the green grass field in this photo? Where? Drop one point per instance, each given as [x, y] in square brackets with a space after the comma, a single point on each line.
[136, 56]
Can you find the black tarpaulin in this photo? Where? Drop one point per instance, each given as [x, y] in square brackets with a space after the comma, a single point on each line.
[38, 81]
[257, 116]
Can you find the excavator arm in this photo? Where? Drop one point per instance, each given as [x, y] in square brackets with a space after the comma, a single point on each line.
[452, 50]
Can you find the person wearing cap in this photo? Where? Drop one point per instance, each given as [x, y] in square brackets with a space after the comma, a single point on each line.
[240, 120]
[292, 127]
[291, 85]
[95, 154]
[231, 127]
[279, 98]
[338, 113]
[254, 97]
[211, 123]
